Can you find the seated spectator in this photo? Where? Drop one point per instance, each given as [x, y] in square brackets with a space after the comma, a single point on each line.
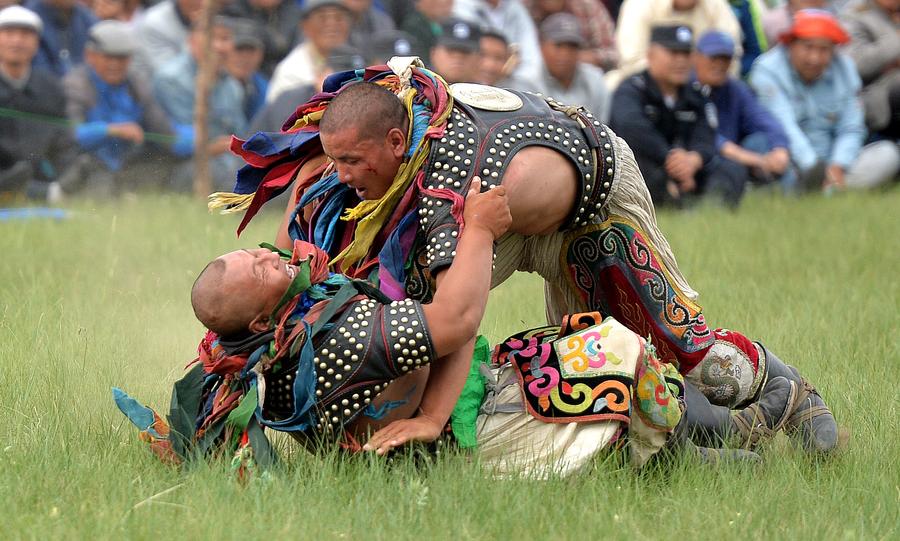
[813, 90]
[244, 65]
[746, 133]
[366, 21]
[637, 17]
[513, 19]
[754, 43]
[597, 28]
[116, 10]
[278, 20]
[273, 115]
[115, 116]
[35, 148]
[667, 123]
[325, 24]
[389, 44]
[424, 24]
[498, 61]
[163, 32]
[564, 77]
[874, 27]
[777, 20]
[66, 24]
[174, 86]
[455, 56]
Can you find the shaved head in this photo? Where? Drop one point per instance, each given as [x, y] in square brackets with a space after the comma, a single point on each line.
[216, 305]
[367, 107]
[237, 292]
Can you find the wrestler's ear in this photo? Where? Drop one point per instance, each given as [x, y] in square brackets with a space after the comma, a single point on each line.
[260, 323]
[396, 139]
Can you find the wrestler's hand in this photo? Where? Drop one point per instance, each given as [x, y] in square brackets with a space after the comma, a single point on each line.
[489, 210]
[421, 428]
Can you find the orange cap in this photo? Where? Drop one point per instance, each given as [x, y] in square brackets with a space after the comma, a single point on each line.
[815, 23]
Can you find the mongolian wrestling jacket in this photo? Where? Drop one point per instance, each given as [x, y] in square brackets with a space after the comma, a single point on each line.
[457, 132]
[334, 345]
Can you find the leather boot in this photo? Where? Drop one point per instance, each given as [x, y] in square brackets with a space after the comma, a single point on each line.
[810, 420]
[768, 414]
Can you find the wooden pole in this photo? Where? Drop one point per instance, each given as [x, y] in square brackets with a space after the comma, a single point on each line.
[206, 73]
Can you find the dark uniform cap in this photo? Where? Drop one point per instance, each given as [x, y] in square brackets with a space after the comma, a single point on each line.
[113, 38]
[345, 58]
[562, 28]
[247, 34]
[386, 45]
[673, 37]
[460, 35]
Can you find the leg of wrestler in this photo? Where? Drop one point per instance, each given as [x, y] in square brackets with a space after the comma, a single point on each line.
[623, 267]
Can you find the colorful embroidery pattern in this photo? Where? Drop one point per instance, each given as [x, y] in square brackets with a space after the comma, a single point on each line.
[580, 377]
[616, 271]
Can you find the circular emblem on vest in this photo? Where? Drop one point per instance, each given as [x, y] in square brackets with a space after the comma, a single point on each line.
[485, 97]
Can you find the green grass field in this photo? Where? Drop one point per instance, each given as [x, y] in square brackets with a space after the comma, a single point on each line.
[102, 300]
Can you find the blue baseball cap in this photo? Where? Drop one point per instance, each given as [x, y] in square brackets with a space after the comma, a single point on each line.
[715, 43]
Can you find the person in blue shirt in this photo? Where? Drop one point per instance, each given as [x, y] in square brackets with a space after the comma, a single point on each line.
[813, 89]
[244, 65]
[746, 133]
[174, 86]
[119, 126]
[66, 25]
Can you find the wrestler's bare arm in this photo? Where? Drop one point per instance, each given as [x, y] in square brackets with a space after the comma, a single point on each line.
[453, 319]
[542, 185]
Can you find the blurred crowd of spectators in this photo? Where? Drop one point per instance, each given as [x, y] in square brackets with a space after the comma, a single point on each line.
[97, 96]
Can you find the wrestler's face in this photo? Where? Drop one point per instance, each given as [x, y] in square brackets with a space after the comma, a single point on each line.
[258, 279]
[366, 164]
[811, 57]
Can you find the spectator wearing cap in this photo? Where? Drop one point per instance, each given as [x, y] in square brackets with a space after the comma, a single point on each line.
[325, 25]
[163, 33]
[498, 62]
[113, 111]
[66, 24]
[813, 90]
[244, 65]
[668, 124]
[564, 76]
[273, 115]
[777, 20]
[637, 17]
[35, 150]
[366, 21]
[423, 23]
[174, 86]
[874, 28]
[511, 17]
[278, 22]
[455, 56]
[387, 45]
[746, 133]
[597, 27]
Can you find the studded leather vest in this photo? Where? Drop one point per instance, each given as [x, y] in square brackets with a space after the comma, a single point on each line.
[369, 345]
[480, 142]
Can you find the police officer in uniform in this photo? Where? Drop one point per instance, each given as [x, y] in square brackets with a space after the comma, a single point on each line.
[670, 125]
